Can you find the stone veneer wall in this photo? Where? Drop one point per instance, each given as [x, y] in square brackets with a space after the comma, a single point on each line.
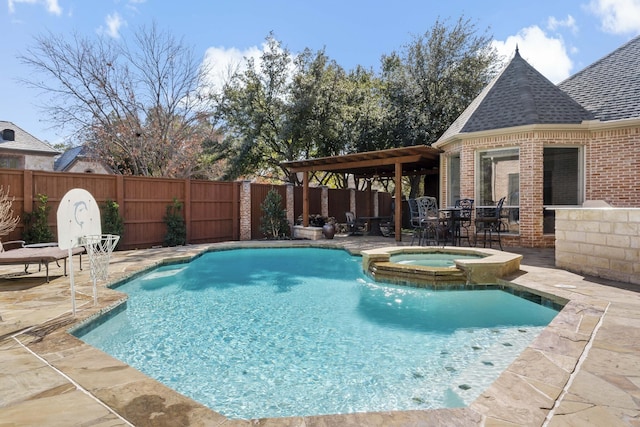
[601, 242]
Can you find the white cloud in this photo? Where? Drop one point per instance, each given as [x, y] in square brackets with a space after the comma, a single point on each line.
[51, 5]
[114, 22]
[546, 54]
[554, 24]
[617, 16]
[222, 63]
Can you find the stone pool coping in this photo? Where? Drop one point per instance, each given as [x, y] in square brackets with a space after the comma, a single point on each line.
[582, 369]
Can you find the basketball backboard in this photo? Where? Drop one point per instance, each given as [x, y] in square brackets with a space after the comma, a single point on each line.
[78, 216]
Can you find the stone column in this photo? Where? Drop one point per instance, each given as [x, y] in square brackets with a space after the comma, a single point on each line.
[245, 210]
[324, 201]
[376, 203]
[289, 205]
[352, 201]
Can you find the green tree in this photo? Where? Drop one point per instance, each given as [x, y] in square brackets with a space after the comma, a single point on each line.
[432, 80]
[273, 222]
[253, 110]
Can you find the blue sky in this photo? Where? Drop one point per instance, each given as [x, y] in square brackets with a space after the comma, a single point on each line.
[558, 37]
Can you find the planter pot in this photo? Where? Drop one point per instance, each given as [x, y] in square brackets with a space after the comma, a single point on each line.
[328, 231]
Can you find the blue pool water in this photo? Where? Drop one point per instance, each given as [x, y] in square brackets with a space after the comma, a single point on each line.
[283, 332]
[433, 259]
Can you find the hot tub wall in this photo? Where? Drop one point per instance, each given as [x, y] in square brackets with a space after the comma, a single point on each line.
[494, 265]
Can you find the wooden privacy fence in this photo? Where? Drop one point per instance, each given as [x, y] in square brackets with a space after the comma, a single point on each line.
[211, 209]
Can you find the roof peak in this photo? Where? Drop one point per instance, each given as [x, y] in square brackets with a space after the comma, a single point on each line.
[519, 95]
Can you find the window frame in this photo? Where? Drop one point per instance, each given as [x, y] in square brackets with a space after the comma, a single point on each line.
[451, 197]
[477, 171]
[580, 197]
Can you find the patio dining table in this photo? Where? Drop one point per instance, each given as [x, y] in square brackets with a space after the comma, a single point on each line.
[374, 224]
[452, 217]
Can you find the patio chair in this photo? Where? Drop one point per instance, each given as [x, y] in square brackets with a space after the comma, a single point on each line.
[414, 219]
[490, 223]
[435, 228]
[463, 220]
[355, 227]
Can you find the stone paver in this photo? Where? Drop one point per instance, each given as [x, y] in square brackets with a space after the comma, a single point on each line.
[584, 369]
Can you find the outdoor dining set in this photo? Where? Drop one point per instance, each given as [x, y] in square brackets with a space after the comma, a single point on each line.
[453, 225]
[431, 225]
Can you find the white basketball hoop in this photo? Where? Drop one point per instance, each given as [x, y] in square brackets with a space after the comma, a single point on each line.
[99, 248]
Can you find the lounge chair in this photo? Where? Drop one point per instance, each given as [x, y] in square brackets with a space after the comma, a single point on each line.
[26, 256]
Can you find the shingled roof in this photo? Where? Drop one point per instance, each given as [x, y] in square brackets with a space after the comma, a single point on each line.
[610, 87]
[66, 158]
[23, 141]
[518, 96]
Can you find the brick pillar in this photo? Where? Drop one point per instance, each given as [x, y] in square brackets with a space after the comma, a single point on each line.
[324, 201]
[290, 205]
[245, 210]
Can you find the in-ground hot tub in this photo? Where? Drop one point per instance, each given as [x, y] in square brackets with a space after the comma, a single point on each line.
[437, 266]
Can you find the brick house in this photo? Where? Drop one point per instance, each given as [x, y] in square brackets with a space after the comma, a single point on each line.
[21, 150]
[543, 146]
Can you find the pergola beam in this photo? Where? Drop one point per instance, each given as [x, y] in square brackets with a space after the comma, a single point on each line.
[360, 164]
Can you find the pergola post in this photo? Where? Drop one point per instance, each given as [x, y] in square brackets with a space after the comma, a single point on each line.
[398, 197]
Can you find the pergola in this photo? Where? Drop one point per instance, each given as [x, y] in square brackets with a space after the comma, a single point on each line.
[395, 162]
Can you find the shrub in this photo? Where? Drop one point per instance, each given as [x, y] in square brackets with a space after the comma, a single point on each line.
[36, 228]
[273, 223]
[176, 227]
[112, 221]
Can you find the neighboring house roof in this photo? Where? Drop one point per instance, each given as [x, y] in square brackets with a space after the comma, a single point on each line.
[66, 159]
[73, 155]
[610, 87]
[23, 141]
[518, 96]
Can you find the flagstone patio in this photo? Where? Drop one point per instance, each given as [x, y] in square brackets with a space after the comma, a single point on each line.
[584, 369]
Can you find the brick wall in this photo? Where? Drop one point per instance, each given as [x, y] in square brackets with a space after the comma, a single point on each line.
[611, 168]
[602, 242]
[613, 157]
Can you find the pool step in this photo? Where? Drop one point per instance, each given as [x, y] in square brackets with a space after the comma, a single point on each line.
[419, 276]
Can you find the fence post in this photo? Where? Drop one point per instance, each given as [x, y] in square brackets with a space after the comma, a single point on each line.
[27, 191]
[245, 210]
[324, 201]
[290, 205]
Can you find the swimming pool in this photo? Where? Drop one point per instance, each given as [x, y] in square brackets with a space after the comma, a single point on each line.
[279, 332]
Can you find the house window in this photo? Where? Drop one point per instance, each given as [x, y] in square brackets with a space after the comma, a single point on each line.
[498, 176]
[11, 162]
[453, 178]
[562, 181]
